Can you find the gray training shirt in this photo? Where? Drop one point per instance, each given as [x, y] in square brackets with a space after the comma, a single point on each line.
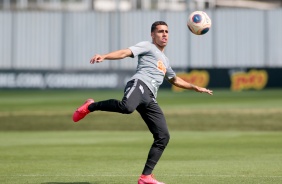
[153, 66]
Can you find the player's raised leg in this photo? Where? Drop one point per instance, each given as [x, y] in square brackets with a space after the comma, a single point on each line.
[132, 98]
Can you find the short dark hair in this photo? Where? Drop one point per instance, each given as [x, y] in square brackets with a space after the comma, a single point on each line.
[155, 24]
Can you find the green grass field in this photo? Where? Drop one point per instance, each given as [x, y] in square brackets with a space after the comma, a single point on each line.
[227, 138]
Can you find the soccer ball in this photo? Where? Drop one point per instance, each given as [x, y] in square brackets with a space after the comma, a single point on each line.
[199, 22]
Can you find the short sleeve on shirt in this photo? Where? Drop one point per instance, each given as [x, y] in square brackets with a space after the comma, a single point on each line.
[170, 73]
[140, 48]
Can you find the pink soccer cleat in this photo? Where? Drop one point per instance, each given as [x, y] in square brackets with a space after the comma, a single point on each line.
[82, 111]
[148, 179]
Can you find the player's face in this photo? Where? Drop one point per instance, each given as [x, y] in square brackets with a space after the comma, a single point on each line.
[160, 36]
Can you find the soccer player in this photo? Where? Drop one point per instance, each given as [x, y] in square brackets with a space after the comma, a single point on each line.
[141, 91]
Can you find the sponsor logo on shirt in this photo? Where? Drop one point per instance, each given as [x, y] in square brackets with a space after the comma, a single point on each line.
[155, 85]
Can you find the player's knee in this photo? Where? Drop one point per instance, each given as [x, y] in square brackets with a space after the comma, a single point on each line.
[166, 139]
[127, 109]
[162, 141]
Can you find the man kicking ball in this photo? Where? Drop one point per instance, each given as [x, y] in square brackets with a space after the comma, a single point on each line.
[141, 91]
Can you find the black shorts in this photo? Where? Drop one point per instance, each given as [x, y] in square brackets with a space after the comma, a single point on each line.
[138, 96]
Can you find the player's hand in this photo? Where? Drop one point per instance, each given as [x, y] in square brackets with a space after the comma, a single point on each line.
[204, 90]
[97, 59]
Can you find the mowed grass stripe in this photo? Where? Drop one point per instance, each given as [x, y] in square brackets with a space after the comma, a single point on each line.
[176, 121]
[167, 112]
[24, 110]
[171, 175]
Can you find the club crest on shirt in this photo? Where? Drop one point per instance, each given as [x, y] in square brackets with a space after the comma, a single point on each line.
[161, 66]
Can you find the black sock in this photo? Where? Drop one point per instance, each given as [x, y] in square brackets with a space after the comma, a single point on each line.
[111, 105]
[149, 167]
[92, 107]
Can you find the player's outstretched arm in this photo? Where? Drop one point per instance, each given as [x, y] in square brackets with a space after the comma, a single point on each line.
[119, 54]
[177, 81]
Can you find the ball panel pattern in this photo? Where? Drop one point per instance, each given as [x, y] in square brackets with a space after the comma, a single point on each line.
[197, 18]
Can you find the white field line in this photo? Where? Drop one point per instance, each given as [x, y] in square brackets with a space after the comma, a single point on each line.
[121, 175]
